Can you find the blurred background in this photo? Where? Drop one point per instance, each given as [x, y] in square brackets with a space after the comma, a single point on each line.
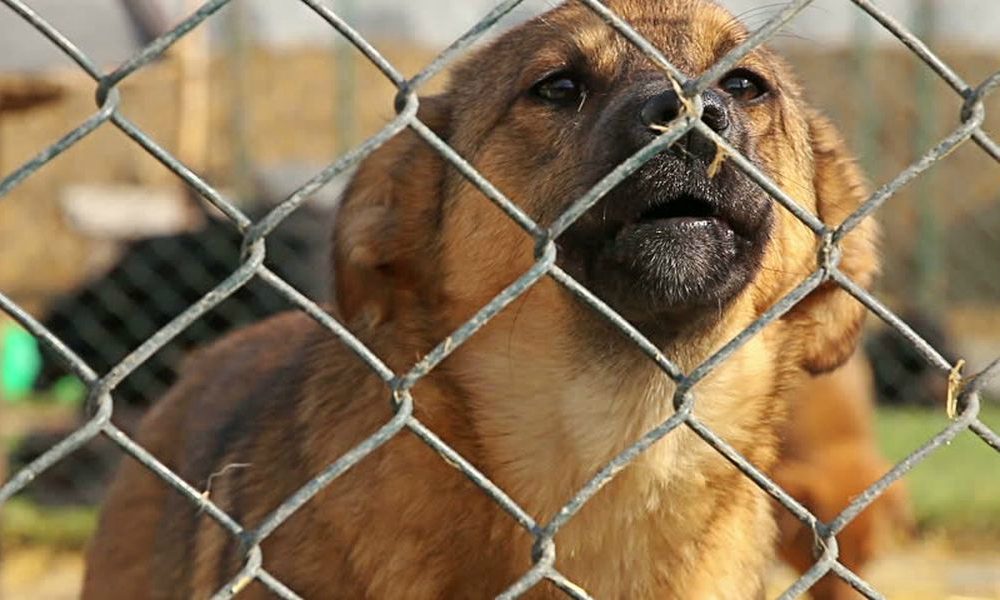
[105, 245]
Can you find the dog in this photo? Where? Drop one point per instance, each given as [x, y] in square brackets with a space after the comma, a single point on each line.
[903, 377]
[830, 456]
[547, 391]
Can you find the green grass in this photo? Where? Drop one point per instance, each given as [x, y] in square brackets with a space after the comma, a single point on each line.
[25, 523]
[21, 521]
[957, 488]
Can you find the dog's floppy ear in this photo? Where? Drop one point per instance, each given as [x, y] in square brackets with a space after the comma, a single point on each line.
[832, 318]
[384, 229]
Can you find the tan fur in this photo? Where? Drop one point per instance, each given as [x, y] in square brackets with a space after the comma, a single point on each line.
[539, 399]
[829, 457]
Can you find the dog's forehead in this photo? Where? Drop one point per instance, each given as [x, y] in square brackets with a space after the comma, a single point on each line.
[692, 34]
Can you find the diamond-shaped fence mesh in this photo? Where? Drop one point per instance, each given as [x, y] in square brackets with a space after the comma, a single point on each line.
[251, 268]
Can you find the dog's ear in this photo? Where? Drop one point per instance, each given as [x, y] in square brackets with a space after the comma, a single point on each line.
[830, 317]
[384, 228]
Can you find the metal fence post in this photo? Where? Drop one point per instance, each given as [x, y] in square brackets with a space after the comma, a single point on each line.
[238, 50]
[929, 246]
[345, 79]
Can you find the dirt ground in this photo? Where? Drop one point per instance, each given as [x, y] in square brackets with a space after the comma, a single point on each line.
[40, 574]
[929, 570]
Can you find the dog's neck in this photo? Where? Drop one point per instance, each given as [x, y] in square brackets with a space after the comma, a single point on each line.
[548, 415]
[552, 397]
[541, 409]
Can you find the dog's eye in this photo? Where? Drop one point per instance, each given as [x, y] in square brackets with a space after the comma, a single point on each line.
[744, 85]
[560, 88]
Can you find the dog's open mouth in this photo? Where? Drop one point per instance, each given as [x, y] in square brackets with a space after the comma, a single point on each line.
[670, 224]
[655, 252]
[674, 228]
[683, 207]
[669, 242]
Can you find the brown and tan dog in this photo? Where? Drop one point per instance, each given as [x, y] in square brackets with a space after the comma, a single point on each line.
[547, 392]
[830, 456]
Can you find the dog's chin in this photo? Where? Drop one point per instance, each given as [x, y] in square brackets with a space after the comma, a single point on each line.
[663, 270]
[671, 267]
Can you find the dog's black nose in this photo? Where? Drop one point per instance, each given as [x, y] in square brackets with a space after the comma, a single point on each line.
[664, 107]
[659, 110]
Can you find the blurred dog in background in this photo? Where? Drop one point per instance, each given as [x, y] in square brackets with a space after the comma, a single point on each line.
[829, 456]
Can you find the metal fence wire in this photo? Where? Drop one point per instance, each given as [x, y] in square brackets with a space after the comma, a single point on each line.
[102, 386]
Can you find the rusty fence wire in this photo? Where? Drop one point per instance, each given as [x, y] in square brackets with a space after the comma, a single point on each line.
[101, 386]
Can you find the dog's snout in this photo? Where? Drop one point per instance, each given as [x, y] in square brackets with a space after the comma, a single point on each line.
[660, 109]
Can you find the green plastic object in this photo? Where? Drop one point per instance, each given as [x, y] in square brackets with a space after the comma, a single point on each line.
[20, 362]
[69, 391]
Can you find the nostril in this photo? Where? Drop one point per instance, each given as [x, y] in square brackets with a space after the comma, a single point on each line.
[660, 109]
[716, 118]
[714, 113]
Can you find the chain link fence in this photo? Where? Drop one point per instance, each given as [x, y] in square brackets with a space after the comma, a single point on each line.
[251, 268]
